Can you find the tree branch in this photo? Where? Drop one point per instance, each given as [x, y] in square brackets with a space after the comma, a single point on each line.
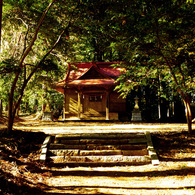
[35, 69]
[26, 52]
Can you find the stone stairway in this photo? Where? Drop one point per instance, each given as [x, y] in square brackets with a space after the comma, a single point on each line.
[99, 148]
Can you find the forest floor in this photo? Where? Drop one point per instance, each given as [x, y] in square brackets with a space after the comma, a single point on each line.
[21, 172]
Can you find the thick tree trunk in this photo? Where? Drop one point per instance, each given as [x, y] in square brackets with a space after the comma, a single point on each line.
[188, 113]
[10, 124]
[10, 116]
[12, 108]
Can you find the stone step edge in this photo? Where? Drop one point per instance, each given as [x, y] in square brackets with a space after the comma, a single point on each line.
[77, 152]
[99, 147]
[105, 142]
[44, 148]
[100, 159]
[102, 141]
[96, 146]
[151, 150]
[99, 136]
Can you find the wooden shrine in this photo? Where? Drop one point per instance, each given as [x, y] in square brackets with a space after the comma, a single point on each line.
[89, 93]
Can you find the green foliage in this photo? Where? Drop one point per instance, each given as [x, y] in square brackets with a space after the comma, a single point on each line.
[155, 31]
[143, 33]
[9, 66]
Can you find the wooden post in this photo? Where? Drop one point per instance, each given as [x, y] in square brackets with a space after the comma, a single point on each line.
[64, 106]
[82, 103]
[79, 105]
[107, 105]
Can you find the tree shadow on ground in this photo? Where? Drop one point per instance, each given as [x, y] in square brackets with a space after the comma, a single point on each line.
[172, 172]
[168, 144]
[10, 184]
[22, 148]
[90, 189]
[18, 154]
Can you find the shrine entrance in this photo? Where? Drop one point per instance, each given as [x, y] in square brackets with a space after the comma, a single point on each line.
[94, 104]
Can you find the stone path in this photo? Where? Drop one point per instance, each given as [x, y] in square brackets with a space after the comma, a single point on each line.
[56, 128]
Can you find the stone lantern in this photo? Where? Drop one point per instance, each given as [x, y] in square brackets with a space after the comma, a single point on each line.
[136, 113]
[47, 114]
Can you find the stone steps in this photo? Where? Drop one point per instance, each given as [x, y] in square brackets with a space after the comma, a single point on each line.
[102, 159]
[77, 152]
[112, 135]
[87, 143]
[97, 148]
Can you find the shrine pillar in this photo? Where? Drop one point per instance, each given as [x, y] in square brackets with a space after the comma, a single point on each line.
[64, 106]
[79, 105]
[107, 105]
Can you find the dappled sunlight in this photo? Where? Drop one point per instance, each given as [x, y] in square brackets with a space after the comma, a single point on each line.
[122, 180]
[174, 175]
[73, 106]
[78, 126]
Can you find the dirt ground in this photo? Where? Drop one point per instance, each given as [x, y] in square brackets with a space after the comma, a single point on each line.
[21, 172]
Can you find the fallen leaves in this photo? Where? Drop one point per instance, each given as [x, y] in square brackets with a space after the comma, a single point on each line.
[21, 171]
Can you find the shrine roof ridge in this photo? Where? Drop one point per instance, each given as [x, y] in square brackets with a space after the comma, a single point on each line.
[89, 64]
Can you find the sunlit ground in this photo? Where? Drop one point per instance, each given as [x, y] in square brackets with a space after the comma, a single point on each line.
[93, 127]
[175, 175]
[147, 179]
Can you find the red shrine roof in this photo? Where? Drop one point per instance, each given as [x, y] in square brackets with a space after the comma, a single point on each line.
[91, 74]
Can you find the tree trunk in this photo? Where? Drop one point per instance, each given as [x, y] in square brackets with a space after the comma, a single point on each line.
[188, 113]
[12, 108]
[185, 97]
[17, 111]
[10, 116]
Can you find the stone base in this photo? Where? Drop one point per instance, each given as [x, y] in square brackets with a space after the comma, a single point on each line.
[47, 116]
[136, 116]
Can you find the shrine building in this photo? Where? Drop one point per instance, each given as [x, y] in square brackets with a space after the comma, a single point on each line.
[89, 93]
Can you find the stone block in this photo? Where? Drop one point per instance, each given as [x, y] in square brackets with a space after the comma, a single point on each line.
[135, 152]
[47, 116]
[113, 116]
[136, 116]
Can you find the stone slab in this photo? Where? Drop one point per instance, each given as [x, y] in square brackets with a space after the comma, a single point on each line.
[74, 142]
[151, 150]
[142, 152]
[100, 152]
[101, 159]
[47, 116]
[99, 136]
[116, 147]
[62, 152]
[136, 116]
[113, 141]
[44, 148]
[63, 146]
